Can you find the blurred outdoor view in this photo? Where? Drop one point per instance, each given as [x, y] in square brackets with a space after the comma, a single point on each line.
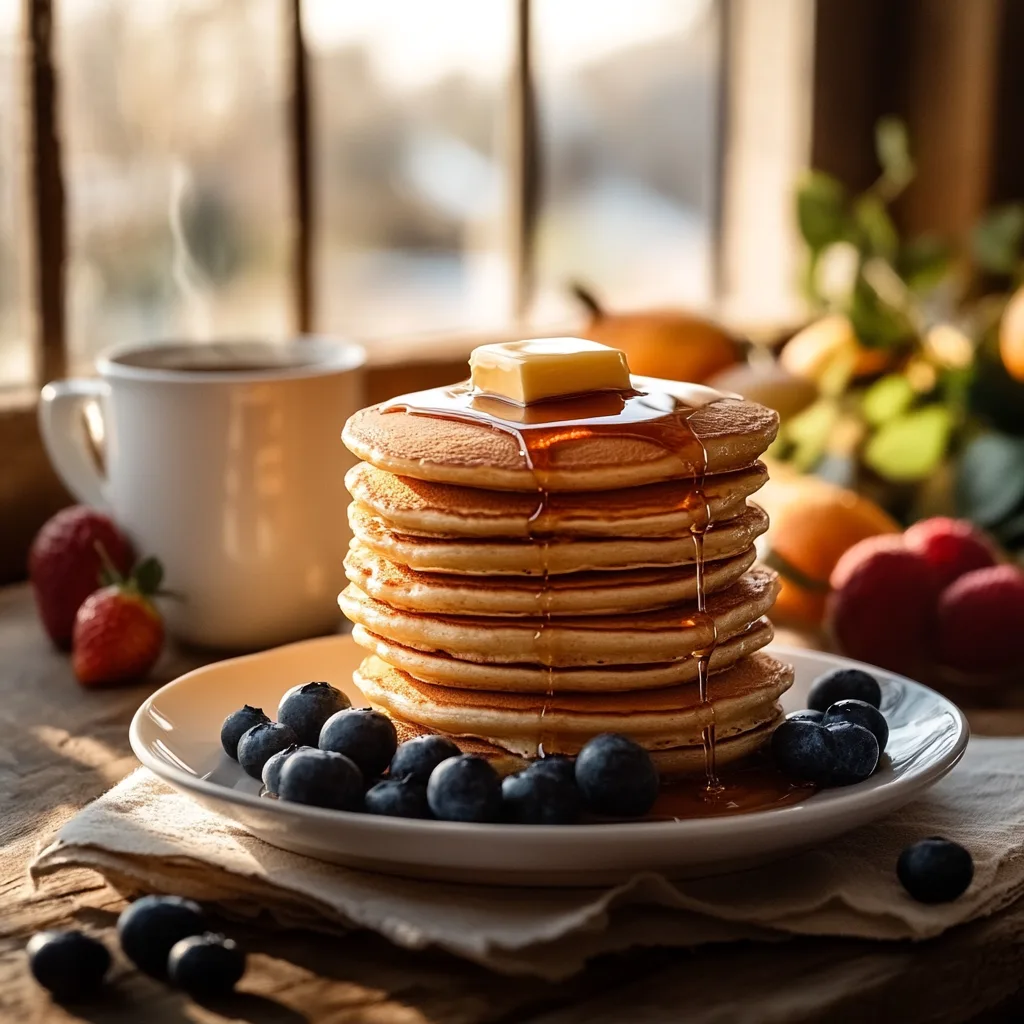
[173, 116]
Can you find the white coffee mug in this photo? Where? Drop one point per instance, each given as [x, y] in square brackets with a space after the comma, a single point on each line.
[225, 461]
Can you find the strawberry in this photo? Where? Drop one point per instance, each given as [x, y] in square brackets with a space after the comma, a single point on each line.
[64, 565]
[118, 631]
[951, 547]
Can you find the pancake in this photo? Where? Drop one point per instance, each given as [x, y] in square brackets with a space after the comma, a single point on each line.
[579, 593]
[740, 698]
[732, 434]
[640, 638]
[675, 762]
[443, 669]
[422, 508]
[482, 557]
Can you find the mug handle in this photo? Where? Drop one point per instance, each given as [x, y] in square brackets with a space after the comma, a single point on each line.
[64, 437]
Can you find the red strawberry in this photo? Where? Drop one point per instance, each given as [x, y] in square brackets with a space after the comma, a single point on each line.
[981, 620]
[882, 605]
[118, 631]
[951, 546]
[64, 565]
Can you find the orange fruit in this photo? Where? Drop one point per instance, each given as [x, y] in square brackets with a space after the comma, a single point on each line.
[813, 524]
[675, 346]
[811, 352]
[1011, 336]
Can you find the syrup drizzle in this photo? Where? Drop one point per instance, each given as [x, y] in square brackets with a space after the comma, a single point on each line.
[655, 416]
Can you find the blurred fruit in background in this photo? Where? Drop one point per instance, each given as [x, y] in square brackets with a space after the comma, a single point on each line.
[932, 603]
[1011, 336]
[767, 382]
[813, 524]
[815, 352]
[882, 605]
[673, 345]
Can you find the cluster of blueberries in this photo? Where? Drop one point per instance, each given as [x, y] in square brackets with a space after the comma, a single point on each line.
[323, 752]
[841, 736]
[837, 741]
[165, 936]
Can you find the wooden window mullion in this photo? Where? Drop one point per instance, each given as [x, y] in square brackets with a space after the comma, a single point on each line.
[523, 166]
[46, 199]
[301, 171]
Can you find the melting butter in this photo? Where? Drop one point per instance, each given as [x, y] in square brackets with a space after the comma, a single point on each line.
[542, 368]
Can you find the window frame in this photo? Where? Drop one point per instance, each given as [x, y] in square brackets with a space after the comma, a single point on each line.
[841, 100]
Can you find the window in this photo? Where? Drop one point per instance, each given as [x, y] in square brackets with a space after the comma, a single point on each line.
[408, 116]
[628, 111]
[403, 168]
[175, 169]
[16, 357]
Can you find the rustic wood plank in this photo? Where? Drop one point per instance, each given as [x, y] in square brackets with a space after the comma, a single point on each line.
[63, 746]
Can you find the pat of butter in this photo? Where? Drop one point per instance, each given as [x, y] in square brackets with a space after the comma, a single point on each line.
[540, 368]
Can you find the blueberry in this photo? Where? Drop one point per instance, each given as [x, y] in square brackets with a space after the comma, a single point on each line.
[555, 765]
[844, 684]
[237, 723]
[272, 769]
[834, 755]
[802, 751]
[935, 870]
[307, 706]
[398, 798]
[71, 965]
[416, 759]
[260, 743]
[205, 965]
[860, 713]
[366, 736]
[806, 715]
[616, 776]
[151, 926]
[540, 797]
[854, 753]
[465, 788]
[321, 778]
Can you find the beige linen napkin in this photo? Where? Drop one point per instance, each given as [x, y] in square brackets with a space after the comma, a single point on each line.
[144, 836]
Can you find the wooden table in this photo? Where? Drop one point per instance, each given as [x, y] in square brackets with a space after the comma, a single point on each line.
[62, 746]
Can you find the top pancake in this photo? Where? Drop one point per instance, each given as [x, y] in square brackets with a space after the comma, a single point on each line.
[420, 507]
[732, 432]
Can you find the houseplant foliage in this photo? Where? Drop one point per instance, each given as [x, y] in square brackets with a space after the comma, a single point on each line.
[917, 353]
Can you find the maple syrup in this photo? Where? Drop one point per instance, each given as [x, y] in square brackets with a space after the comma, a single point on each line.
[755, 786]
[540, 428]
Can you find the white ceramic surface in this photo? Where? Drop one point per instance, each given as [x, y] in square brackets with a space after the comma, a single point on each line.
[176, 734]
[234, 478]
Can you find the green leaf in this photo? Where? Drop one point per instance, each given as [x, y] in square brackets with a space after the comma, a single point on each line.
[876, 323]
[910, 447]
[990, 478]
[892, 147]
[148, 575]
[924, 261]
[996, 239]
[888, 397]
[875, 227]
[808, 432]
[821, 210]
[1010, 532]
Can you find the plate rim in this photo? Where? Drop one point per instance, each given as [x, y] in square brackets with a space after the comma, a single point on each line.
[846, 800]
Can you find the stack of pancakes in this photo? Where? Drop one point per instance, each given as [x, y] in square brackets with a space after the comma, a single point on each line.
[531, 627]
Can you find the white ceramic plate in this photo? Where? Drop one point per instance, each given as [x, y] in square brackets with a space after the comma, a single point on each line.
[176, 733]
